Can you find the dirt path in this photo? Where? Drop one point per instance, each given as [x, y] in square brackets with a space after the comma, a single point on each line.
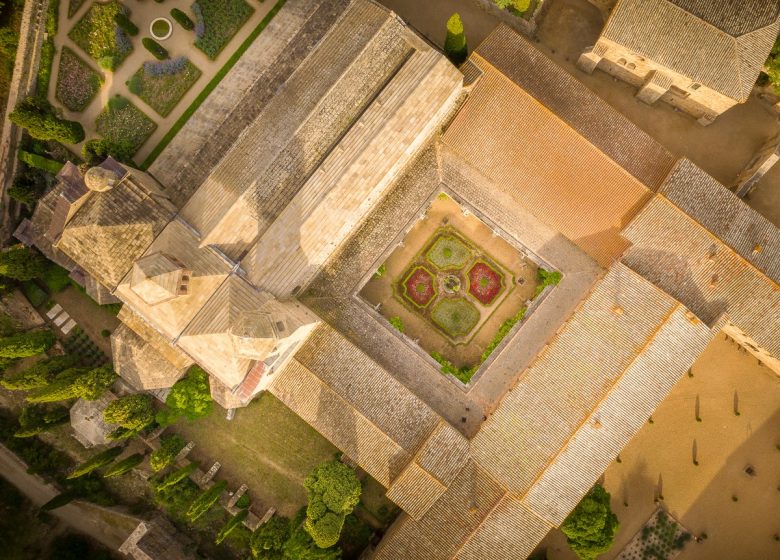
[81, 517]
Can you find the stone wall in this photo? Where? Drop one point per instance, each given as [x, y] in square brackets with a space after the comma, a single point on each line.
[28, 58]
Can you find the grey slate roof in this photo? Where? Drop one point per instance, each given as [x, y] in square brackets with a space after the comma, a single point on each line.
[726, 59]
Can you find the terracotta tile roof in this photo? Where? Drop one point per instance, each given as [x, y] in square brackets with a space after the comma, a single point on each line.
[730, 43]
[546, 166]
[573, 103]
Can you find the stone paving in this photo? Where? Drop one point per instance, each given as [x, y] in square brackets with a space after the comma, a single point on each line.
[180, 43]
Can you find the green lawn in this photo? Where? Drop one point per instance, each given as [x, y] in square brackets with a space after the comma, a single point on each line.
[265, 446]
[77, 83]
[216, 21]
[123, 123]
[100, 37]
[161, 85]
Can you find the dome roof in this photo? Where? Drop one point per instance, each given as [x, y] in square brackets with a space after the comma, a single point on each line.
[100, 179]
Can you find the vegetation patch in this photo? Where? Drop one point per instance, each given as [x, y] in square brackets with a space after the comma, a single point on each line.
[419, 287]
[99, 35]
[448, 252]
[124, 124]
[485, 283]
[455, 316]
[77, 83]
[216, 21]
[161, 85]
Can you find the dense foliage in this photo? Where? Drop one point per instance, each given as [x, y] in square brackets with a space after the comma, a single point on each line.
[21, 263]
[26, 344]
[547, 278]
[268, 540]
[131, 412]
[455, 43]
[518, 6]
[216, 21]
[95, 462]
[38, 117]
[182, 19]
[590, 529]
[75, 383]
[158, 51]
[206, 500]
[176, 477]
[165, 455]
[98, 34]
[35, 419]
[189, 397]
[772, 67]
[124, 23]
[124, 125]
[121, 467]
[95, 151]
[232, 524]
[37, 375]
[77, 83]
[40, 162]
[333, 492]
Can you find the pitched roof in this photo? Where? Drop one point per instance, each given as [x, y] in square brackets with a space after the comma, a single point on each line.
[112, 229]
[730, 40]
[86, 418]
[139, 363]
[545, 165]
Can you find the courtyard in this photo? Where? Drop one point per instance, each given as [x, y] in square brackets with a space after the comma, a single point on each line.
[453, 287]
[710, 457]
[106, 77]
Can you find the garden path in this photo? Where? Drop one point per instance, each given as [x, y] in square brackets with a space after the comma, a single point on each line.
[180, 43]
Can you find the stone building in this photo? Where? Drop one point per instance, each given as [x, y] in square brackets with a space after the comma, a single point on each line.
[296, 178]
[701, 56]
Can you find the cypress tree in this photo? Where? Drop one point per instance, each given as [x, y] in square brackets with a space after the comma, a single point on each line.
[26, 344]
[37, 375]
[455, 46]
[21, 263]
[38, 117]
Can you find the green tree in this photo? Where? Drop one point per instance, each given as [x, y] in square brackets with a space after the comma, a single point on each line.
[38, 117]
[590, 529]
[24, 345]
[232, 524]
[176, 477]
[132, 412]
[37, 375]
[75, 383]
[165, 455]
[123, 466]
[300, 546]
[333, 492]
[9, 40]
[35, 419]
[97, 150]
[28, 186]
[206, 500]
[21, 263]
[455, 46]
[95, 462]
[519, 6]
[268, 540]
[189, 397]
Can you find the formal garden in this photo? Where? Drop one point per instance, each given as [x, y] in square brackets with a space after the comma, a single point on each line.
[454, 288]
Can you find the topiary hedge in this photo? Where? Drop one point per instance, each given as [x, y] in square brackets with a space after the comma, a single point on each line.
[182, 19]
[159, 52]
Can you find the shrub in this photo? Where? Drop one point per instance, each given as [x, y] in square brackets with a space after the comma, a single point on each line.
[232, 524]
[243, 502]
[176, 477]
[21, 263]
[117, 103]
[216, 21]
[125, 24]
[39, 374]
[182, 19]
[75, 383]
[206, 500]
[96, 151]
[159, 52]
[267, 541]
[333, 492]
[397, 323]
[125, 465]
[95, 462]
[165, 455]
[590, 529]
[35, 419]
[547, 278]
[28, 186]
[516, 6]
[135, 84]
[37, 116]
[131, 412]
[56, 278]
[40, 162]
[189, 397]
[455, 46]
[26, 344]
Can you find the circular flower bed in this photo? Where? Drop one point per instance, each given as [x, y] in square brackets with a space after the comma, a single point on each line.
[161, 29]
[418, 287]
[484, 283]
[451, 284]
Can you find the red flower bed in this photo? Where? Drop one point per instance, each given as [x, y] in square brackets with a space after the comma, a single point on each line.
[419, 288]
[484, 283]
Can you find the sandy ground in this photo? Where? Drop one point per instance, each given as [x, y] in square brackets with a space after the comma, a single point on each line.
[660, 461]
[446, 212]
[180, 43]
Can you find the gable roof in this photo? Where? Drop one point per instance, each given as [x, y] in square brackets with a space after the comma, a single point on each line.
[719, 44]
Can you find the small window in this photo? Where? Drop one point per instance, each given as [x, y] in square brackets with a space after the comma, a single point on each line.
[631, 66]
[622, 61]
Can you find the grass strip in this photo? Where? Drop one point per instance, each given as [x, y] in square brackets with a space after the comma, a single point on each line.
[177, 126]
